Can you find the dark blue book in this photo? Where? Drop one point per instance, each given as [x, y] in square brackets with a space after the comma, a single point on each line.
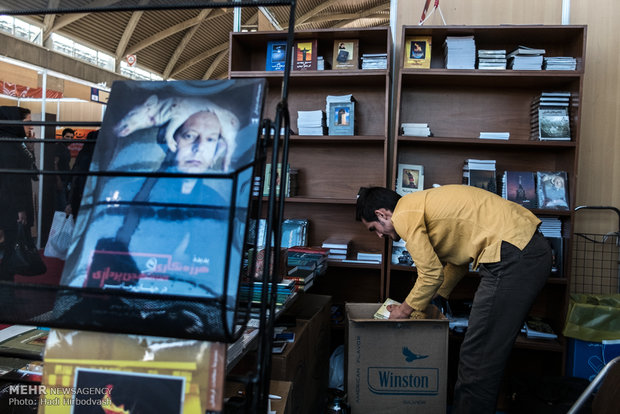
[179, 234]
[276, 55]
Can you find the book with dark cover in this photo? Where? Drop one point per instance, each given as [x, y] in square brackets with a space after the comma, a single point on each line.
[305, 55]
[276, 55]
[552, 190]
[521, 188]
[174, 234]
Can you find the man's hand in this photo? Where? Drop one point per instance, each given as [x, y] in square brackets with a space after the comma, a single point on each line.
[402, 311]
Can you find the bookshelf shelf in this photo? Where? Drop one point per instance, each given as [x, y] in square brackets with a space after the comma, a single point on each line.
[458, 105]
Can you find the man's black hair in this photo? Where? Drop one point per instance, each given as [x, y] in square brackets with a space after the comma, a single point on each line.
[64, 131]
[370, 199]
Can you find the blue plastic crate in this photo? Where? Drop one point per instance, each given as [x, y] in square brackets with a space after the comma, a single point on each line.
[586, 359]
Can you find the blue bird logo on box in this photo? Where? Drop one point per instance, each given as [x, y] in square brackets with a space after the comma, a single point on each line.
[410, 356]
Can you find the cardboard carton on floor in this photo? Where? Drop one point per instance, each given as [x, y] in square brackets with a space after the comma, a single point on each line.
[396, 365]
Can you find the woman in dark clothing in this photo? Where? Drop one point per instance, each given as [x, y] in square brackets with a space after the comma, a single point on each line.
[15, 189]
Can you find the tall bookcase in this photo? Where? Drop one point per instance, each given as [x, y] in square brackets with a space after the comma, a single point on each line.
[331, 168]
[458, 105]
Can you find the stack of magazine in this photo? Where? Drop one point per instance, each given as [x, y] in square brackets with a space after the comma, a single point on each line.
[550, 116]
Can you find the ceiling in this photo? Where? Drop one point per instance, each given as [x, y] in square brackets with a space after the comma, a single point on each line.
[193, 44]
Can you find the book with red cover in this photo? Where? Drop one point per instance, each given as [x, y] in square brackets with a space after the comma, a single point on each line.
[309, 249]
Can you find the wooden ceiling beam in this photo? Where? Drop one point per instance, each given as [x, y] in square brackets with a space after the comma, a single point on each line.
[216, 62]
[200, 57]
[183, 44]
[315, 11]
[66, 19]
[128, 32]
[172, 30]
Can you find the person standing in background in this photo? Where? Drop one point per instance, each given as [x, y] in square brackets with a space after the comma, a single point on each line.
[15, 189]
[62, 162]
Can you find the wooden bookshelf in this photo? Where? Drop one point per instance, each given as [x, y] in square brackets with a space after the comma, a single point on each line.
[331, 168]
[458, 105]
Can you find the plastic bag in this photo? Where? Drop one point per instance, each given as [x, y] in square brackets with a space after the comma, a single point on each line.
[60, 236]
[336, 369]
[25, 259]
[593, 318]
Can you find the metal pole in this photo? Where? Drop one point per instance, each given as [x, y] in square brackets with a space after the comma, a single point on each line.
[41, 157]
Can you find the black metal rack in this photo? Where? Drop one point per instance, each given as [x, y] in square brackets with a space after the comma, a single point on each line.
[161, 315]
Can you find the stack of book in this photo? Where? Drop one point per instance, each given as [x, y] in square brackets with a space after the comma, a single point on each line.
[374, 61]
[338, 248]
[560, 63]
[305, 264]
[491, 59]
[236, 349]
[526, 58]
[550, 117]
[252, 292]
[416, 129]
[551, 228]
[480, 173]
[520, 187]
[311, 122]
[460, 52]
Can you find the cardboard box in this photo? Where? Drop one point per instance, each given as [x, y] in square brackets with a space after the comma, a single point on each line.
[396, 365]
[586, 359]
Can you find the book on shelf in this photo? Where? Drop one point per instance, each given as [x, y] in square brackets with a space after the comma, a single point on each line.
[520, 187]
[526, 51]
[374, 61]
[410, 178]
[370, 256]
[492, 59]
[169, 235]
[301, 276]
[311, 122]
[552, 190]
[336, 242]
[560, 63]
[341, 118]
[481, 174]
[538, 328]
[346, 54]
[460, 52]
[305, 55]
[418, 52]
[416, 129]
[267, 182]
[276, 55]
[494, 135]
[553, 125]
[400, 254]
[294, 232]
